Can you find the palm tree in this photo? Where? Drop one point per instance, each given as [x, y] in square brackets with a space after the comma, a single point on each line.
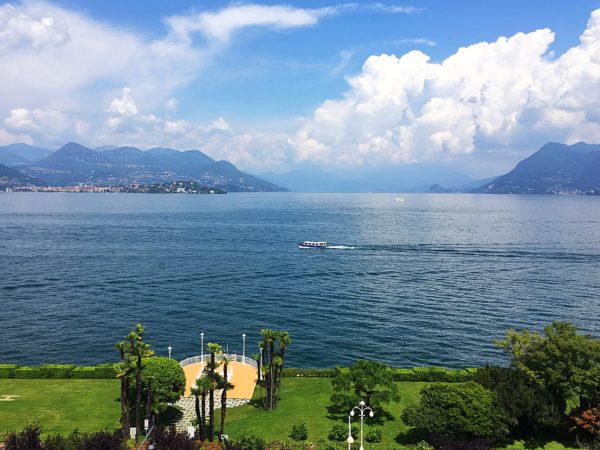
[258, 358]
[139, 350]
[225, 385]
[284, 340]
[269, 337]
[214, 349]
[273, 365]
[124, 369]
[200, 390]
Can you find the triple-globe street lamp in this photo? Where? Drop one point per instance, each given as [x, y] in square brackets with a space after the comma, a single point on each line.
[362, 408]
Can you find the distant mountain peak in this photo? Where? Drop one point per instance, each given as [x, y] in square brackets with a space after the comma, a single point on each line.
[554, 169]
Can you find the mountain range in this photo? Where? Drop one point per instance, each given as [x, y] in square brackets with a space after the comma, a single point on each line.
[74, 164]
[554, 169]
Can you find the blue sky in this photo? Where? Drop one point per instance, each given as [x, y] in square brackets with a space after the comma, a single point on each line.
[296, 89]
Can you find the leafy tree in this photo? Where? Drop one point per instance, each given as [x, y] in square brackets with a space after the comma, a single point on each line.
[465, 409]
[561, 360]
[167, 381]
[201, 389]
[370, 381]
[528, 405]
[225, 386]
[274, 345]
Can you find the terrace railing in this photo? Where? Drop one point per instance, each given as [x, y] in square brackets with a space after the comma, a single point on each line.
[232, 357]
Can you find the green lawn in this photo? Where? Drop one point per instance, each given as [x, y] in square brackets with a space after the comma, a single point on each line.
[60, 406]
[307, 400]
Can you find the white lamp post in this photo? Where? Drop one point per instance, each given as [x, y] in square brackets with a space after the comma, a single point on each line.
[244, 348]
[350, 439]
[202, 346]
[169, 349]
[362, 408]
[260, 347]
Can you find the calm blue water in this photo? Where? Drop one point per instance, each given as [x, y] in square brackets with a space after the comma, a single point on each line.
[432, 280]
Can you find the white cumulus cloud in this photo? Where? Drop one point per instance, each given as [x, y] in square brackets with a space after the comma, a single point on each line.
[489, 95]
[125, 105]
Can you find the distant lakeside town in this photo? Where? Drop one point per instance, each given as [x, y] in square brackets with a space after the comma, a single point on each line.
[177, 187]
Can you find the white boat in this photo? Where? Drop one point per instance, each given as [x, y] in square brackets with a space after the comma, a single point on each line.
[312, 244]
[399, 199]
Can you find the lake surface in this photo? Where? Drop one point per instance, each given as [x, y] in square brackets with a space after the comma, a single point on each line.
[431, 280]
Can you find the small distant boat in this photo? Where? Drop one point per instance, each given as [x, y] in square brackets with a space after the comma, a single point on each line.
[313, 244]
[399, 199]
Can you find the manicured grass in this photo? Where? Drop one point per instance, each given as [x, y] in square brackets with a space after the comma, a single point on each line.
[60, 406]
[307, 400]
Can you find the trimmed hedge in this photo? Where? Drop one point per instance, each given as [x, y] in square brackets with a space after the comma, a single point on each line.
[434, 374]
[7, 370]
[414, 374]
[56, 371]
[107, 371]
[308, 373]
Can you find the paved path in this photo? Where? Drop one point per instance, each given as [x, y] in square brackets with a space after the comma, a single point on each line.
[188, 408]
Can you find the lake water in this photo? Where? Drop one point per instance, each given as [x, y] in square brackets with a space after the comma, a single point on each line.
[431, 280]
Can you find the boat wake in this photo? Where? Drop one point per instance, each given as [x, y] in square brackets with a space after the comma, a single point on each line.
[340, 247]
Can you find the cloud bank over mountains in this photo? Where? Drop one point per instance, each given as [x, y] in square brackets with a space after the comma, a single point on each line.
[67, 77]
[503, 94]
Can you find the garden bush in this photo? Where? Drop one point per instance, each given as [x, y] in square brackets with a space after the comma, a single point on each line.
[299, 432]
[375, 434]
[465, 409]
[28, 439]
[250, 441]
[169, 439]
[103, 440]
[338, 433]
[424, 445]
